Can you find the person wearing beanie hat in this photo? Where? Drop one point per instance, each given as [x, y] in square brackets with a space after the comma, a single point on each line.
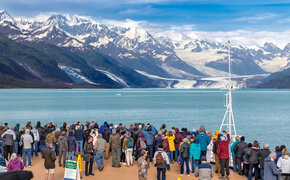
[204, 170]
[223, 153]
[115, 144]
[239, 150]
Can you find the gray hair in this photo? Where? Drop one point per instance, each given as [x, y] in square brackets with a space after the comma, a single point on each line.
[272, 155]
[48, 144]
[185, 140]
[13, 156]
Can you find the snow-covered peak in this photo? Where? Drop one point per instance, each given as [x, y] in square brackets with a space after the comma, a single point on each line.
[137, 33]
[271, 47]
[5, 16]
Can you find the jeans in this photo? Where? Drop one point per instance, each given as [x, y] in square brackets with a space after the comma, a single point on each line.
[62, 153]
[129, 157]
[116, 157]
[15, 148]
[224, 164]
[171, 156]
[99, 158]
[2, 148]
[186, 162]
[42, 147]
[71, 155]
[150, 150]
[256, 171]
[193, 164]
[176, 154]
[163, 170]
[262, 173]
[79, 143]
[28, 153]
[35, 145]
[234, 164]
[136, 152]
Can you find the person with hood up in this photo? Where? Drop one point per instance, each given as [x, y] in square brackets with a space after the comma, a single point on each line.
[63, 148]
[115, 143]
[143, 166]
[170, 137]
[204, 170]
[263, 154]
[71, 143]
[271, 172]
[49, 161]
[26, 140]
[203, 139]
[9, 137]
[141, 143]
[166, 148]
[284, 165]
[161, 161]
[158, 139]
[246, 164]
[254, 160]
[177, 141]
[15, 163]
[216, 157]
[184, 154]
[35, 133]
[223, 153]
[215, 137]
[149, 132]
[194, 153]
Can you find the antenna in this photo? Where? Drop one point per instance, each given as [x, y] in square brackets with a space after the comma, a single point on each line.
[228, 122]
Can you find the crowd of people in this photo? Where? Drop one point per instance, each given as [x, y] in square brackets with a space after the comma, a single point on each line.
[192, 150]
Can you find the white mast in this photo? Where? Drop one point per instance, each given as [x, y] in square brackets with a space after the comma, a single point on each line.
[229, 120]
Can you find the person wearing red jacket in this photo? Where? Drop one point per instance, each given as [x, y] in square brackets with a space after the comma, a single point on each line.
[223, 153]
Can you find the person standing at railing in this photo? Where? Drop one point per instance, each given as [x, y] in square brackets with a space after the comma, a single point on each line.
[203, 139]
[239, 150]
[223, 153]
[216, 157]
[237, 138]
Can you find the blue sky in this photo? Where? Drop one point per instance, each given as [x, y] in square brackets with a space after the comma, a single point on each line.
[202, 15]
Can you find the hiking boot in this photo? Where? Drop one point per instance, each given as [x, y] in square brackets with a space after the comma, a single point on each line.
[101, 168]
[92, 174]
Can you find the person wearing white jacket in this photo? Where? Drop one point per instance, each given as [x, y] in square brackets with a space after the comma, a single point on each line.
[284, 164]
[35, 133]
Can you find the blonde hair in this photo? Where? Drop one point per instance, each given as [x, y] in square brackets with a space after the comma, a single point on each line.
[284, 153]
[13, 156]
[237, 138]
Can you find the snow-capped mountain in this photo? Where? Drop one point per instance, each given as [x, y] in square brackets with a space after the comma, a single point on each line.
[170, 57]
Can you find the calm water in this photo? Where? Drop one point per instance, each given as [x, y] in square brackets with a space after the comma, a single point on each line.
[259, 114]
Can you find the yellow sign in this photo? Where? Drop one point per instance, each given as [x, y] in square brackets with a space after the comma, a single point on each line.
[80, 162]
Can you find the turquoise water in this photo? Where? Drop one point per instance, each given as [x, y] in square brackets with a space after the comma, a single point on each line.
[259, 114]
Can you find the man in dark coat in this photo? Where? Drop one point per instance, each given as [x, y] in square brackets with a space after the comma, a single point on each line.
[263, 154]
[239, 151]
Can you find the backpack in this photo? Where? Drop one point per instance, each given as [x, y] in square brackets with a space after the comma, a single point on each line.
[143, 144]
[184, 150]
[130, 142]
[159, 159]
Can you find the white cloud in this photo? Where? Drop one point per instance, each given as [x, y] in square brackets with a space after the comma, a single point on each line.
[258, 18]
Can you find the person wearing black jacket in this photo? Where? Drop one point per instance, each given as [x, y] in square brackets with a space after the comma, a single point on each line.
[106, 135]
[263, 154]
[216, 157]
[239, 150]
[88, 157]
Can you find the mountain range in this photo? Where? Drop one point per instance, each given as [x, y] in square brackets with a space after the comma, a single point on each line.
[84, 51]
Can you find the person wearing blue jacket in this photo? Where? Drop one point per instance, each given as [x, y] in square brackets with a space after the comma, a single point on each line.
[237, 138]
[149, 132]
[194, 154]
[271, 172]
[204, 141]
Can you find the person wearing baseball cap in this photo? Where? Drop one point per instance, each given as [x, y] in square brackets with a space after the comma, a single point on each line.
[143, 166]
[204, 170]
